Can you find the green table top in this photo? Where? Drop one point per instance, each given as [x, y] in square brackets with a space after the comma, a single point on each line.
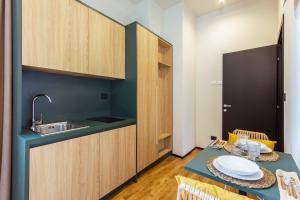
[285, 162]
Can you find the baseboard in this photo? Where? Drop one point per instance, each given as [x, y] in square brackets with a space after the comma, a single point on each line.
[154, 163]
[119, 188]
[188, 152]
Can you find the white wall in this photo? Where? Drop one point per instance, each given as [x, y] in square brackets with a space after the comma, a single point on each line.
[121, 11]
[189, 80]
[179, 29]
[146, 12]
[174, 15]
[249, 24]
[291, 76]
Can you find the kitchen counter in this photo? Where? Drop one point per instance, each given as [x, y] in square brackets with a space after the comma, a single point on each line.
[32, 139]
[29, 139]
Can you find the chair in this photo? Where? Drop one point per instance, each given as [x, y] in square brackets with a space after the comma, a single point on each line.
[189, 189]
[251, 134]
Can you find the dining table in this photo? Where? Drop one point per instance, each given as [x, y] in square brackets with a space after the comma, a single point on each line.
[198, 165]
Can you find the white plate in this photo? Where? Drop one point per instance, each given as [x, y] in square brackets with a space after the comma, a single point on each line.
[259, 175]
[237, 165]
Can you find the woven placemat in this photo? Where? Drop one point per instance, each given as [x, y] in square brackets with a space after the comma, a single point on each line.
[265, 157]
[267, 181]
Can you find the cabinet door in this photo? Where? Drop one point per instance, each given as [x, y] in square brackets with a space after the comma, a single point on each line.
[65, 170]
[44, 32]
[117, 158]
[109, 164]
[55, 35]
[147, 69]
[106, 46]
[77, 56]
[127, 153]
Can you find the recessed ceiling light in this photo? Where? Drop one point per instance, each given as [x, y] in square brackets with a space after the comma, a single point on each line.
[222, 2]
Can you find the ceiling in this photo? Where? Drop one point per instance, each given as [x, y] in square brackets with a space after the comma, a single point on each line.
[162, 3]
[199, 7]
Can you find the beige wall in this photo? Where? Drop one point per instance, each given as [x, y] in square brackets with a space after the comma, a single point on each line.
[292, 78]
[249, 24]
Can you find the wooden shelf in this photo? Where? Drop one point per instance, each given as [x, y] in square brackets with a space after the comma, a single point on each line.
[165, 53]
[164, 43]
[164, 152]
[163, 136]
[162, 64]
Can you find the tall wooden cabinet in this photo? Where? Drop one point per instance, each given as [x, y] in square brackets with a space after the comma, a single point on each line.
[150, 57]
[147, 71]
[87, 167]
[66, 36]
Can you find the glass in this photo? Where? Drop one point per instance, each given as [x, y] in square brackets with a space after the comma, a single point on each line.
[237, 151]
[253, 150]
[242, 141]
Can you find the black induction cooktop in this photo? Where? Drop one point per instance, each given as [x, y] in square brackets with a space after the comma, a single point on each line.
[106, 119]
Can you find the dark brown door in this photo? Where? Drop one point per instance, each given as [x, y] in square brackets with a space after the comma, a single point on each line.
[280, 90]
[250, 91]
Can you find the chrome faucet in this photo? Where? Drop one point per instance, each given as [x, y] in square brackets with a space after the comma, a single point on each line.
[40, 121]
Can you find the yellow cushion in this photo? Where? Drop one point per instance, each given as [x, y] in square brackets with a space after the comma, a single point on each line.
[210, 189]
[233, 138]
[269, 143]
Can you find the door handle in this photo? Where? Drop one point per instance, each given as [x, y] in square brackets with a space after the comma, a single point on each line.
[227, 106]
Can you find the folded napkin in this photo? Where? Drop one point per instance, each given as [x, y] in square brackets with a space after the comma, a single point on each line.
[281, 180]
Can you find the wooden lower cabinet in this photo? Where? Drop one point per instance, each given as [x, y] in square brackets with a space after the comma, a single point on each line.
[65, 170]
[117, 158]
[88, 167]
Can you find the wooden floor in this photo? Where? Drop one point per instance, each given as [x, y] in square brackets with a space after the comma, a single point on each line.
[159, 183]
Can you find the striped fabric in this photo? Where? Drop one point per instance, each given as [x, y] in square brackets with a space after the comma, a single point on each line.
[251, 134]
[187, 192]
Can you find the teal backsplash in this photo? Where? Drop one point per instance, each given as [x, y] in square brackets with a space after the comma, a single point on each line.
[74, 98]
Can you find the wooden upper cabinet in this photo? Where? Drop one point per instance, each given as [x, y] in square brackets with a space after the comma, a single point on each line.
[147, 70]
[77, 52]
[68, 37]
[55, 35]
[66, 170]
[106, 46]
[44, 32]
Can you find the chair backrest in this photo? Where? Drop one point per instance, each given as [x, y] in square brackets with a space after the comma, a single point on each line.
[187, 192]
[251, 134]
[190, 189]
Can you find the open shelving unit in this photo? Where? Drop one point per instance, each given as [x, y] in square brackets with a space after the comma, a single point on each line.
[164, 97]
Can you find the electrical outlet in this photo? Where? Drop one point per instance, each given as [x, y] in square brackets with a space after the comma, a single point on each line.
[213, 137]
[104, 96]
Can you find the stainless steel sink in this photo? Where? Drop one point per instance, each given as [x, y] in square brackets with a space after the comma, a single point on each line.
[59, 127]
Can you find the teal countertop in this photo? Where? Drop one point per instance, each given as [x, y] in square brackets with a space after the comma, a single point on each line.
[32, 139]
[285, 162]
